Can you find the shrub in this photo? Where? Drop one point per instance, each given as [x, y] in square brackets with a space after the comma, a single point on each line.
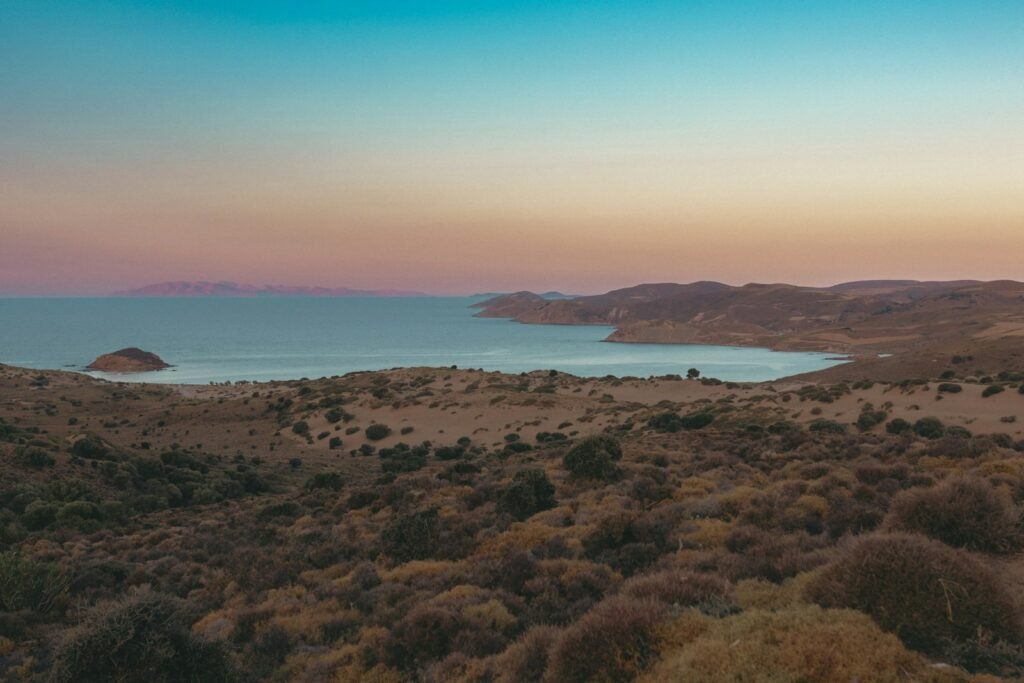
[331, 481]
[665, 422]
[707, 592]
[29, 585]
[335, 443]
[376, 432]
[992, 390]
[530, 492]
[449, 452]
[926, 593]
[869, 419]
[929, 427]
[301, 428]
[335, 415]
[90, 448]
[551, 437]
[525, 660]
[698, 420]
[594, 458]
[898, 426]
[426, 633]
[949, 388]
[416, 536]
[804, 644]
[826, 427]
[143, 636]
[961, 512]
[615, 641]
[33, 457]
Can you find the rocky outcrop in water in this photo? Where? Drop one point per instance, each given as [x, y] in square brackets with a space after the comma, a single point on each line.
[128, 360]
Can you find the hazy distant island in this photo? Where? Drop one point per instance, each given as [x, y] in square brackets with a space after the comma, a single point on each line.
[234, 289]
[550, 296]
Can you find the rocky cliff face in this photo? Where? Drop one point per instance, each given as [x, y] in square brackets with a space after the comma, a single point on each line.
[128, 360]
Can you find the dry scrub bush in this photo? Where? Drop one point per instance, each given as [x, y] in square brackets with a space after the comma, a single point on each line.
[678, 588]
[797, 645]
[525, 660]
[962, 512]
[143, 636]
[756, 553]
[615, 641]
[928, 594]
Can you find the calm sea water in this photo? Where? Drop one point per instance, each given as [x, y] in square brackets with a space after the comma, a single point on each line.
[213, 340]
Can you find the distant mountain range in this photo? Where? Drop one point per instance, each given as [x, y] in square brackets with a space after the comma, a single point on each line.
[547, 296]
[234, 289]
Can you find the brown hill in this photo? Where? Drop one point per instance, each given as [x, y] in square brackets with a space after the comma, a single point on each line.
[860, 318]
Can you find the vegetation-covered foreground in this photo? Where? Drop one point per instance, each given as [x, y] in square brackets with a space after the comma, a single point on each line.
[460, 525]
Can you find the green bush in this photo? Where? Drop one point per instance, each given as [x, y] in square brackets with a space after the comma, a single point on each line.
[928, 594]
[91, 448]
[415, 536]
[376, 432]
[698, 420]
[301, 428]
[898, 426]
[869, 419]
[29, 585]
[665, 422]
[992, 390]
[950, 388]
[331, 481]
[594, 458]
[929, 428]
[530, 492]
[33, 457]
[826, 427]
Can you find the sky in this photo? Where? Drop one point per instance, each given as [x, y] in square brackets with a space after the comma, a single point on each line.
[458, 147]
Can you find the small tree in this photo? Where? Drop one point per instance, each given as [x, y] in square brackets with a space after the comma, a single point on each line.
[692, 373]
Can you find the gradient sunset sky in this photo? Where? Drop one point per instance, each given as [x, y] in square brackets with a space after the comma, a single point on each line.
[456, 147]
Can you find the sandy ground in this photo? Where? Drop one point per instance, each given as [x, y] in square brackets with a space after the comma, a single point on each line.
[441, 406]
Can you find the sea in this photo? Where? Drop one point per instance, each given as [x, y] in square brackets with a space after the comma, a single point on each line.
[258, 339]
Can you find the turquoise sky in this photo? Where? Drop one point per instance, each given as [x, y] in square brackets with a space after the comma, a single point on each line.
[334, 121]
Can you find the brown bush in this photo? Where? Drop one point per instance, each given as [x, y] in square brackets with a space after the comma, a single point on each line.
[962, 512]
[613, 642]
[426, 633]
[707, 592]
[525, 660]
[758, 554]
[803, 644]
[928, 594]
